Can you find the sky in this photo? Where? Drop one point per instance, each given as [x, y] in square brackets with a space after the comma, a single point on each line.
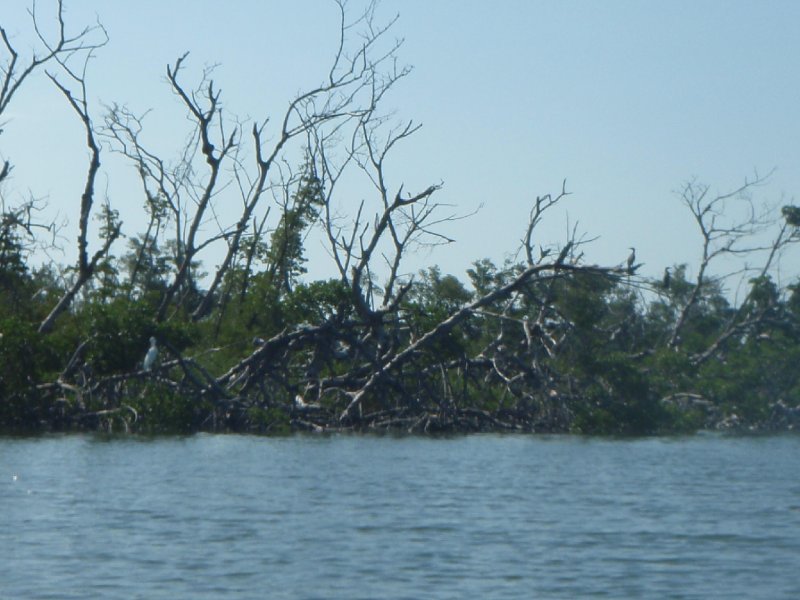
[625, 100]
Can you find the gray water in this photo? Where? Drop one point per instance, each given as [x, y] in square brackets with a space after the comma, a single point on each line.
[369, 517]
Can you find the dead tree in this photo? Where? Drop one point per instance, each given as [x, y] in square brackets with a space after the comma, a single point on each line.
[63, 48]
[387, 235]
[383, 230]
[731, 225]
[63, 51]
[357, 78]
[86, 266]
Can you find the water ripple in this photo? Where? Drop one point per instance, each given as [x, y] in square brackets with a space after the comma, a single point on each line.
[365, 517]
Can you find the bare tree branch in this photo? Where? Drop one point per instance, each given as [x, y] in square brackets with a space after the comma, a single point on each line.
[86, 266]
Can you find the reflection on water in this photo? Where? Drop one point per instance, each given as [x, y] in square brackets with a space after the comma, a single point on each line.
[368, 517]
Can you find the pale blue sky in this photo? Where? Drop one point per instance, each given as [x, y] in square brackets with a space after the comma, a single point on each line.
[624, 99]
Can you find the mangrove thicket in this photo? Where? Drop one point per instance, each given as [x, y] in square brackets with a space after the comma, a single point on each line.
[547, 341]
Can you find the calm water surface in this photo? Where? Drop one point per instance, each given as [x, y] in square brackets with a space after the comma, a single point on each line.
[368, 517]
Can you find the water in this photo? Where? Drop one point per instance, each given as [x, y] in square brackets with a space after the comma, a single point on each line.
[369, 517]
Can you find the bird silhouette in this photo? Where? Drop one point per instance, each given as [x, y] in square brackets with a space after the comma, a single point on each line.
[632, 261]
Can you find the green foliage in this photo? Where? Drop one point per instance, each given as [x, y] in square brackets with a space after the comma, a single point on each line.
[317, 302]
[161, 410]
[611, 357]
[120, 331]
[285, 254]
[432, 299]
[21, 354]
[15, 281]
[269, 420]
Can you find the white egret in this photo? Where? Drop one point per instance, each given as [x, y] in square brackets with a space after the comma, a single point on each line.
[301, 404]
[152, 354]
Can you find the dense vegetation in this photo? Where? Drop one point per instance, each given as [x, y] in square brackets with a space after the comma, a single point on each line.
[546, 342]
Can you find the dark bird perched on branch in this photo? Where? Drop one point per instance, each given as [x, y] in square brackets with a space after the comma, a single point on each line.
[667, 279]
[632, 261]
